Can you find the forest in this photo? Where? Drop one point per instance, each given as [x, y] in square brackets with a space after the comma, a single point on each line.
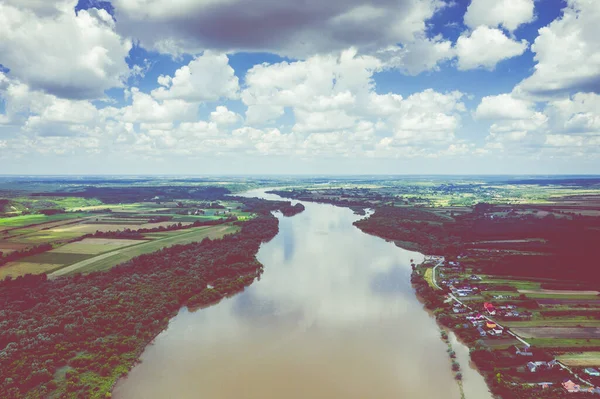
[546, 244]
[75, 336]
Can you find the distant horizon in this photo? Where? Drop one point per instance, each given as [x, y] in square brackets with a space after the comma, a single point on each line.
[582, 175]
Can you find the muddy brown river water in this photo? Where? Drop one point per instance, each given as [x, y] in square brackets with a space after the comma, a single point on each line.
[333, 316]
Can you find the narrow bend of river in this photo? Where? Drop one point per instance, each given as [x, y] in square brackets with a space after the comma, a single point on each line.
[333, 316]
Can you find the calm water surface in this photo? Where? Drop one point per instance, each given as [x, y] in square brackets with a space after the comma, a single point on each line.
[333, 316]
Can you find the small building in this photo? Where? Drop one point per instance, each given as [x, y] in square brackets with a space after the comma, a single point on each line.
[532, 367]
[570, 386]
[592, 372]
[489, 308]
[491, 325]
[526, 351]
[537, 366]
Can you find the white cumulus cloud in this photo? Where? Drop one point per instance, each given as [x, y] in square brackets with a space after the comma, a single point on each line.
[567, 53]
[485, 47]
[206, 78]
[60, 52]
[507, 13]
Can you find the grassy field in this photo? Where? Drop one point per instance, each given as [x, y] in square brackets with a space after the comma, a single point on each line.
[107, 260]
[554, 322]
[553, 293]
[15, 269]
[28, 220]
[558, 332]
[582, 359]
[564, 342]
[46, 236]
[428, 276]
[95, 246]
[56, 258]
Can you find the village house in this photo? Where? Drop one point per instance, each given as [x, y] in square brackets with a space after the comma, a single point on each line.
[537, 366]
[570, 386]
[526, 351]
[489, 308]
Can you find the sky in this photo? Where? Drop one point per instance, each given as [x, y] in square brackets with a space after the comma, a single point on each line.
[299, 87]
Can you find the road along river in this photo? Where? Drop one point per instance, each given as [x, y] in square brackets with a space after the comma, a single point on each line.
[333, 316]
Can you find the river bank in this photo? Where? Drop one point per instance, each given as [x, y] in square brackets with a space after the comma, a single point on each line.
[75, 336]
[327, 319]
[495, 350]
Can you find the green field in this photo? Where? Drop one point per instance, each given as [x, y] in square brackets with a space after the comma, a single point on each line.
[28, 220]
[554, 322]
[46, 236]
[563, 342]
[26, 231]
[428, 276]
[55, 258]
[582, 359]
[95, 246]
[110, 259]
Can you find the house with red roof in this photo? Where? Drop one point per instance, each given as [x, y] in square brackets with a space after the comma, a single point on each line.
[489, 308]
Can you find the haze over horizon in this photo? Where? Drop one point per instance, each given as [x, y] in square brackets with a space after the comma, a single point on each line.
[343, 87]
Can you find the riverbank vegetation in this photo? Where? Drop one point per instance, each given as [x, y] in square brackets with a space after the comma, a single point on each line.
[75, 336]
[524, 246]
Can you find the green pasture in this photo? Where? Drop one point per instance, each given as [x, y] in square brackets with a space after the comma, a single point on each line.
[56, 258]
[110, 259]
[28, 220]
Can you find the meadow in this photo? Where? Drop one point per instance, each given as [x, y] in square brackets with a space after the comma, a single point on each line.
[110, 259]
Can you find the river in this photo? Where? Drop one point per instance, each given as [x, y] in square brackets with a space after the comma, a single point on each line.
[333, 316]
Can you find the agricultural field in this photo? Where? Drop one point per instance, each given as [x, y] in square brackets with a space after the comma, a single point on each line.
[95, 246]
[576, 332]
[164, 223]
[580, 359]
[9, 223]
[110, 259]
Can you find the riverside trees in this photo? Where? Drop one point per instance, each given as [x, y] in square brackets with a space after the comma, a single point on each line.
[75, 336]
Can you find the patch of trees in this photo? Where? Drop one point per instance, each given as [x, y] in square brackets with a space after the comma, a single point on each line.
[160, 219]
[257, 205]
[565, 251]
[50, 212]
[431, 299]
[98, 324]
[423, 228]
[291, 210]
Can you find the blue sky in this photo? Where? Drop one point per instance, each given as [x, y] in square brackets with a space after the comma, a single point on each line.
[265, 86]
